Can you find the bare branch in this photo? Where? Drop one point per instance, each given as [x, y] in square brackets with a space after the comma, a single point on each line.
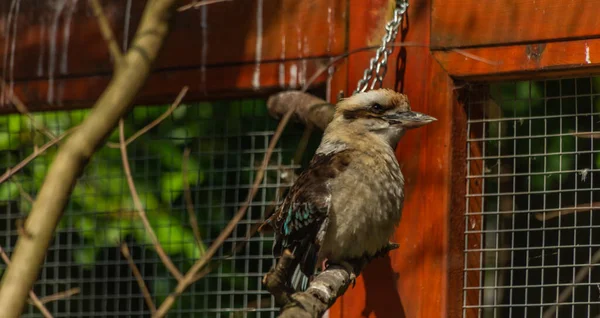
[581, 274]
[138, 278]
[341, 57]
[74, 154]
[585, 134]
[155, 122]
[586, 207]
[140, 208]
[309, 109]
[197, 4]
[475, 57]
[322, 291]
[11, 171]
[188, 201]
[189, 277]
[21, 108]
[107, 33]
[59, 296]
[33, 297]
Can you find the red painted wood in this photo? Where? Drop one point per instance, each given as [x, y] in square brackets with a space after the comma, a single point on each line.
[221, 43]
[162, 87]
[468, 23]
[413, 281]
[532, 60]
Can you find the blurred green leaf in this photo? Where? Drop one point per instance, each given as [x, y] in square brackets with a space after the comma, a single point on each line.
[9, 191]
[14, 123]
[172, 184]
[162, 288]
[111, 235]
[175, 238]
[9, 141]
[24, 205]
[85, 256]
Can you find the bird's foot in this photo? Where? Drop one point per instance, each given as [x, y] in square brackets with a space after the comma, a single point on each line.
[390, 246]
[350, 270]
[324, 265]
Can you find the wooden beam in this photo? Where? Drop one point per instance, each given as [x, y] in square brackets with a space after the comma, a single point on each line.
[526, 60]
[225, 82]
[470, 23]
[236, 42]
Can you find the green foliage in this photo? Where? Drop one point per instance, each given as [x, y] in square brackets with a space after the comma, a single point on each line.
[543, 148]
[101, 208]
[101, 211]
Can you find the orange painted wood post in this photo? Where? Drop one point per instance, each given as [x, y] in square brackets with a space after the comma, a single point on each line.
[415, 280]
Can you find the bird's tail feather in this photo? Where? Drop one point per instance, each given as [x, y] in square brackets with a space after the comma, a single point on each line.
[299, 281]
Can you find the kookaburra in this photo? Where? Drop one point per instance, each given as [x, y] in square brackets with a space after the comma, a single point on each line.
[347, 203]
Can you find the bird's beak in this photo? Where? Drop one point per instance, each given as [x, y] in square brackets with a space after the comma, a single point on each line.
[409, 119]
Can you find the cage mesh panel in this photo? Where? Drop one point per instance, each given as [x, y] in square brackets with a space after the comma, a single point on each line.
[227, 141]
[532, 187]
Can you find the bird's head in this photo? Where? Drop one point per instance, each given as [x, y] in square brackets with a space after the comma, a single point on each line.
[383, 112]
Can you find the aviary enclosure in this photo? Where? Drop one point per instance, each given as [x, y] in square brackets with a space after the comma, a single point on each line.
[501, 212]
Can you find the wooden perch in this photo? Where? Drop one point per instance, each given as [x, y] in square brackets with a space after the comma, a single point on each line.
[322, 291]
[309, 109]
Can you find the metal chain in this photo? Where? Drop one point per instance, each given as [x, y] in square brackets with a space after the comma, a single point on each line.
[378, 64]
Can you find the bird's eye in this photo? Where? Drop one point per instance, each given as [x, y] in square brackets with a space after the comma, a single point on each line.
[377, 108]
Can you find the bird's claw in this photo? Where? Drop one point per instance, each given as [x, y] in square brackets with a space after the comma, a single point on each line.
[350, 270]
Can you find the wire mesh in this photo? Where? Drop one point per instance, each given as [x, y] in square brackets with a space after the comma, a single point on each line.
[532, 231]
[227, 142]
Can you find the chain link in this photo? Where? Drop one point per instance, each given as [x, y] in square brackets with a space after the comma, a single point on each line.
[378, 64]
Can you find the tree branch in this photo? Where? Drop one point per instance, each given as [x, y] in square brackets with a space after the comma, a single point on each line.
[11, 171]
[308, 109]
[188, 200]
[33, 297]
[323, 289]
[76, 151]
[140, 208]
[581, 274]
[154, 123]
[191, 276]
[138, 278]
[107, 34]
[61, 295]
[197, 4]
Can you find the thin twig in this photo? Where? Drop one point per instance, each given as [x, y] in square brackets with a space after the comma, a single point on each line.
[61, 295]
[475, 57]
[342, 56]
[107, 33]
[11, 171]
[22, 191]
[200, 263]
[34, 298]
[140, 208]
[138, 277]
[155, 122]
[197, 4]
[568, 210]
[581, 274]
[21, 108]
[585, 134]
[188, 201]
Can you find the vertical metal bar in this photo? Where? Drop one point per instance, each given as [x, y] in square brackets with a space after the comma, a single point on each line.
[467, 211]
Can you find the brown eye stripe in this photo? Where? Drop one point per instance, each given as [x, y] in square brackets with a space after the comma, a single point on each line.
[360, 113]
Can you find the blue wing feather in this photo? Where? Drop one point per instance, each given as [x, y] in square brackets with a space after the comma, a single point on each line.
[299, 218]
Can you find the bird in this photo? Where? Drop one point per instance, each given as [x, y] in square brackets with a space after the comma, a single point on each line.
[348, 201]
